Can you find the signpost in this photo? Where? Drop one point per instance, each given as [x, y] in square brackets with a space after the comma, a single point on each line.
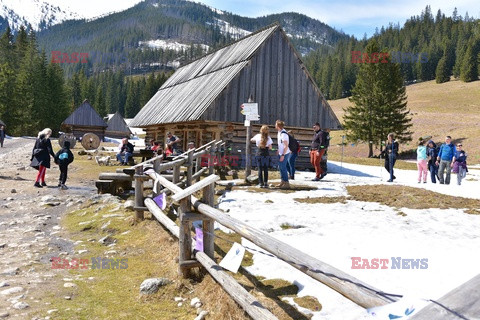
[250, 110]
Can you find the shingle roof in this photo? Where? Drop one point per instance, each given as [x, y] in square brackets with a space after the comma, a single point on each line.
[191, 89]
[85, 115]
[117, 123]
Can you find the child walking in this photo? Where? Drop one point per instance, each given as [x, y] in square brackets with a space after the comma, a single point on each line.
[63, 158]
[459, 163]
[422, 162]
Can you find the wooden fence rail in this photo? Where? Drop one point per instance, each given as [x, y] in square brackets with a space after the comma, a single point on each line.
[191, 208]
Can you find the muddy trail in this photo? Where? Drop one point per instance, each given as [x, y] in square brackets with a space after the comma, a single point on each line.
[30, 234]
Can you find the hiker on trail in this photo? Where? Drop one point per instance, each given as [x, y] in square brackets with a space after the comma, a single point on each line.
[326, 144]
[317, 149]
[459, 163]
[41, 153]
[63, 158]
[422, 162]
[444, 160]
[173, 142]
[125, 151]
[264, 143]
[283, 153]
[2, 135]
[432, 153]
[294, 147]
[391, 153]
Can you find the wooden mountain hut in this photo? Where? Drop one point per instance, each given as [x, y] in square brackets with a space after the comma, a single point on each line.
[85, 120]
[201, 100]
[117, 127]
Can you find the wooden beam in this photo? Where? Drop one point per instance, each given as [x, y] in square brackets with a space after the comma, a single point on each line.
[194, 188]
[252, 306]
[345, 284]
[195, 217]
[199, 173]
[161, 217]
[465, 300]
[114, 176]
[139, 199]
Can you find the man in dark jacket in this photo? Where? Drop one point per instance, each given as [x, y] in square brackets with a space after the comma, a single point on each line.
[432, 153]
[125, 151]
[326, 143]
[317, 148]
[63, 158]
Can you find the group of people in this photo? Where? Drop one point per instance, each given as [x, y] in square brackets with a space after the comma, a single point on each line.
[288, 150]
[40, 159]
[438, 160]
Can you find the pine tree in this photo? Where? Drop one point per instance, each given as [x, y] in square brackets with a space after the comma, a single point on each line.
[441, 73]
[56, 96]
[379, 104]
[100, 102]
[469, 69]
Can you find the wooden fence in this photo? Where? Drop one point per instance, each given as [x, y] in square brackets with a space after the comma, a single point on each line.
[191, 209]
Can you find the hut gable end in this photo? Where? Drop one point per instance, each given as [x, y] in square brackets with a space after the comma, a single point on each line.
[264, 65]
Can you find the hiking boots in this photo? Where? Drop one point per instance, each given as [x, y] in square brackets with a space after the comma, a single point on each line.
[38, 185]
[286, 185]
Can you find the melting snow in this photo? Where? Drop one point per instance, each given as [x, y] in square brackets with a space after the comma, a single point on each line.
[336, 232]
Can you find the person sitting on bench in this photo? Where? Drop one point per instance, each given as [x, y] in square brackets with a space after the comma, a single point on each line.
[125, 151]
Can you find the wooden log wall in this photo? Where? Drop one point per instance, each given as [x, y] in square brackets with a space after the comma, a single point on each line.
[234, 134]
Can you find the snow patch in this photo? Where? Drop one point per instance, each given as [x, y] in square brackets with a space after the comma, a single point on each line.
[169, 45]
[336, 232]
[227, 28]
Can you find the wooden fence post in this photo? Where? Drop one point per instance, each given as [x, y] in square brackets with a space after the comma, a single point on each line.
[176, 174]
[139, 200]
[185, 240]
[211, 160]
[209, 224]
[198, 167]
[189, 165]
[156, 165]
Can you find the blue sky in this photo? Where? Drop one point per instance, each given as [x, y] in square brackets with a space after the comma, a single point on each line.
[353, 17]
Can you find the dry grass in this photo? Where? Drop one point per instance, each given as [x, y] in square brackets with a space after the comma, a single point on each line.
[293, 188]
[322, 200]
[410, 197]
[451, 108]
[309, 302]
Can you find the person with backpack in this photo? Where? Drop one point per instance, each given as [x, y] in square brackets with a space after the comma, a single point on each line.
[432, 153]
[283, 153]
[459, 163]
[264, 144]
[444, 160]
[316, 151]
[294, 147]
[326, 144]
[63, 158]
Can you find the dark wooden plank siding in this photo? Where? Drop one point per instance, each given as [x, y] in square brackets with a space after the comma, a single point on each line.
[278, 82]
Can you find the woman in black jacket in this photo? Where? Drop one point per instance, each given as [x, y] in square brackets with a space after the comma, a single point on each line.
[41, 156]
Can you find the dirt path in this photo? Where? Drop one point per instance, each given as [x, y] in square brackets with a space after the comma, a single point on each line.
[30, 234]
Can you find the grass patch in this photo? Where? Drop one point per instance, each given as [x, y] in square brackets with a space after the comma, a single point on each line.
[114, 294]
[286, 226]
[434, 110]
[280, 287]
[322, 200]
[224, 246]
[308, 302]
[410, 197]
